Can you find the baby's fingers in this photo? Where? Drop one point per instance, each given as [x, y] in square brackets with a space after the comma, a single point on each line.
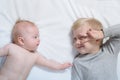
[67, 64]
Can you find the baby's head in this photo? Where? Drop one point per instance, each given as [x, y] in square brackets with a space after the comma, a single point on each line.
[81, 37]
[25, 34]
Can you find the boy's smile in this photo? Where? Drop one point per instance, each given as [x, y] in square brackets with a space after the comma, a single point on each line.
[82, 42]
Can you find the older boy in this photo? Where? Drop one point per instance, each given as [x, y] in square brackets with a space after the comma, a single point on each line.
[96, 61]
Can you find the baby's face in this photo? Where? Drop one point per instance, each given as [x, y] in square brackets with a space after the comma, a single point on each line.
[31, 38]
[81, 40]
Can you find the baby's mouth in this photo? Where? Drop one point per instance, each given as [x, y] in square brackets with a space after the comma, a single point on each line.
[37, 44]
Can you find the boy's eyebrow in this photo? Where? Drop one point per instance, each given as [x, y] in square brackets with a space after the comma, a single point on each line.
[82, 35]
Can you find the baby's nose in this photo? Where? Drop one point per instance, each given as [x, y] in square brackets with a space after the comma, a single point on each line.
[38, 40]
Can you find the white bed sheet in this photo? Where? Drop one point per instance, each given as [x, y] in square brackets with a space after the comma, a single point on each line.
[54, 19]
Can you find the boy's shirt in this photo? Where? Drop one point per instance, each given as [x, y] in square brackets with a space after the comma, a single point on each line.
[102, 65]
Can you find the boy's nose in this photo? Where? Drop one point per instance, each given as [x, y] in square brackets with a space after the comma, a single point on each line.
[78, 42]
[82, 41]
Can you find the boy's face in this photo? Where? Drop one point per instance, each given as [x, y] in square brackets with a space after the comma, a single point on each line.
[82, 41]
[31, 38]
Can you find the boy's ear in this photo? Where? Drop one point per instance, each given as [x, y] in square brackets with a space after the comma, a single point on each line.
[98, 41]
[21, 40]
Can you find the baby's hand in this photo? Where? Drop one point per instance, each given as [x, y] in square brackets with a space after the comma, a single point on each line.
[66, 65]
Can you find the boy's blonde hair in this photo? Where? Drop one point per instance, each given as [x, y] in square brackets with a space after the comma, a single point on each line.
[94, 23]
[15, 31]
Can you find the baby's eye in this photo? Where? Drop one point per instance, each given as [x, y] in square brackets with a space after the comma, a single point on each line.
[36, 37]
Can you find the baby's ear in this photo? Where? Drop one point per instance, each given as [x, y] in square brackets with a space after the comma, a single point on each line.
[20, 40]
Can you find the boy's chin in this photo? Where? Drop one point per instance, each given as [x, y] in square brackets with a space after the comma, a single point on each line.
[82, 52]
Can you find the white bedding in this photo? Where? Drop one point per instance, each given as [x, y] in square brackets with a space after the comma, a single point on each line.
[54, 19]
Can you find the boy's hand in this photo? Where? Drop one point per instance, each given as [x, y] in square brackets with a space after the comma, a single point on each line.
[95, 34]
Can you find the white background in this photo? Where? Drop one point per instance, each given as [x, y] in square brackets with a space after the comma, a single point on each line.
[54, 19]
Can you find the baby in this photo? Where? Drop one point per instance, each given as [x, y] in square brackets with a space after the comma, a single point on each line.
[22, 55]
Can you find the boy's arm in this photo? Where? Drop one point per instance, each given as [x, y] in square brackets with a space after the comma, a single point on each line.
[113, 44]
[112, 32]
[42, 61]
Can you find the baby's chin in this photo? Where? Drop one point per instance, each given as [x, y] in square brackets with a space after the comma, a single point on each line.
[32, 51]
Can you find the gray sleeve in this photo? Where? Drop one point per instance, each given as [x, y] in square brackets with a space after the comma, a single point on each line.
[113, 31]
[113, 44]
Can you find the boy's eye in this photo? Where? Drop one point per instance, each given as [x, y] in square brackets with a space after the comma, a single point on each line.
[82, 37]
[74, 39]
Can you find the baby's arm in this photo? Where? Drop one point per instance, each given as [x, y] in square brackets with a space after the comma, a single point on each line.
[4, 50]
[42, 61]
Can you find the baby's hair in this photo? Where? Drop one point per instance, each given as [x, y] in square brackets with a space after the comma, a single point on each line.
[21, 20]
[16, 33]
[94, 23]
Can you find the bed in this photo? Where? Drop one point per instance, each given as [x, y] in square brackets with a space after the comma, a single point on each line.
[54, 19]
